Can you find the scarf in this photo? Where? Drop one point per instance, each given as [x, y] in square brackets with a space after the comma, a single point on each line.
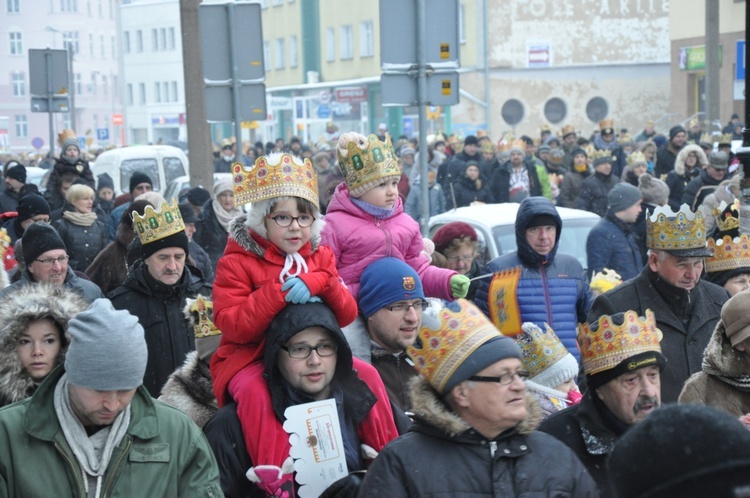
[223, 216]
[80, 219]
[600, 144]
[289, 262]
[741, 383]
[377, 211]
[92, 452]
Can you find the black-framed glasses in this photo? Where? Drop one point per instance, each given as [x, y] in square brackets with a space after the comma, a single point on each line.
[284, 220]
[50, 262]
[504, 379]
[419, 306]
[303, 352]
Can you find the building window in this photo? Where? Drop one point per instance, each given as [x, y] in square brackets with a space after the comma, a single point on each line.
[126, 42]
[19, 84]
[142, 93]
[91, 44]
[70, 40]
[111, 9]
[597, 109]
[330, 45]
[171, 39]
[14, 6]
[105, 86]
[22, 126]
[366, 39]
[78, 83]
[461, 23]
[139, 41]
[113, 46]
[92, 85]
[130, 94]
[115, 88]
[157, 92]
[155, 40]
[101, 46]
[555, 110]
[165, 91]
[16, 43]
[266, 56]
[101, 8]
[280, 53]
[347, 49]
[163, 39]
[174, 92]
[88, 7]
[512, 111]
[68, 6]
[293, 53]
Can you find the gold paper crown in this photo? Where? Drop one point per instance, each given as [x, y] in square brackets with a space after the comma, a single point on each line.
[725, 139]
[545, 127]
[156, 225]
[540, 349]
[504, 144]
[693, 122]
[626, 139]
[448, 336]
[65, 136]
[369, 161]
[604, 344]
[200, 312]
[4, 245]
[636, 157]
[706, 138]
[728, 253]
[727, 215]
[518, 143]
[567, 130]
[670, 231]
[599, 154]
[488, 147]
[605, 280]
[275, 175]
[607, 124]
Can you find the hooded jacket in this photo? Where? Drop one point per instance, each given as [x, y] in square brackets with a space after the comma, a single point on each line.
[722, 364]
[17, 311]
[678, 179]
[247, 296]
[358, 239]
[553, 288]
[442, 455]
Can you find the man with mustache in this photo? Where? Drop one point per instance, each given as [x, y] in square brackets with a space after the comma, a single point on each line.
[621, 357]
[156, 288]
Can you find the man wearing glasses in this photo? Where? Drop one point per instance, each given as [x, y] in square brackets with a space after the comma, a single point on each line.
[392, 302]
[472, 425]
[46, 259]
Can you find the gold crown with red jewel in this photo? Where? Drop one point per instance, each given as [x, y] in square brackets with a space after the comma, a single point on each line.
[155, 225]
[199, 312]
[275, 175]
[367, 159]
[728, 253]
[540, 349]
[727, 215]
[604, 344]
[670, 231]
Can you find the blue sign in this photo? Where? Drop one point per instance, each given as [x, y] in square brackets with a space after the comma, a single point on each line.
[408, 126]
[324, 111]
[102, 134]
[37, 142]
[739, 73]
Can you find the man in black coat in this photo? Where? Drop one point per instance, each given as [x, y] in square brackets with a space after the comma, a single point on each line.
[454, 169]
[516, 179]
[667, 155]
[156, 290]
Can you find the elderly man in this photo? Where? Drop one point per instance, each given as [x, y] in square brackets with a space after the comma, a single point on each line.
[95, 431]
[473, 432]
[517, 179]
[307, 359]
[622, 361]
[46, 259]
[686, 307]
[548, 287]
[156, 288]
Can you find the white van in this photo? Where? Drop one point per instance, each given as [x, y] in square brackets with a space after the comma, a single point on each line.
[162, 163]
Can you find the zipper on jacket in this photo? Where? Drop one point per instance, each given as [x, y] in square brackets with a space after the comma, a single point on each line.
[387, 235]
[114, 469]
[493, 448]
[81, 487]
[547, 304]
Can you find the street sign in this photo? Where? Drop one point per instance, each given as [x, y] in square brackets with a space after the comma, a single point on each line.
[538, 54]
[102, 134]
[247, 40]
[41, 104]
[324, 111]
[37, 142]
[739, 73]
[220, 105]
[433, 112]
[117, 119]
[400, 89]
[38, 77]
[324, 97]
[351, 94]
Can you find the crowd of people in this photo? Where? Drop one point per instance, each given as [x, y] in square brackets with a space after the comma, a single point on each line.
[168, 345]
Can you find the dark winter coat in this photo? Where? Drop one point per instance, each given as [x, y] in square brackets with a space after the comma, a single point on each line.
[8, 201]
[458, 461]
[109, 268]
[413, 204]
[552, 289]
[465, 191]
[570, 187]
[686, 319]
[211, 237]
[593, 194]
[638, 229]
[88, 290]
[80, 167]
[83, 243]
[454, 168]
[677, 183]
[190, 390]
[665, 160]
[698, 189]
[500, 182]
[159, 310]
[396, 370]
[611, 244]
[202, 262]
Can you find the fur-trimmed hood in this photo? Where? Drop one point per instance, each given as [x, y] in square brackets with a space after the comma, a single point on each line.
[190, 390]
[427, 406]
[679, 164]
[721, 355]
[18, 308]
[242, 235]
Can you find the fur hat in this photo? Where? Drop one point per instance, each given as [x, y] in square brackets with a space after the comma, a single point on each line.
[39, 238]
[653, 190]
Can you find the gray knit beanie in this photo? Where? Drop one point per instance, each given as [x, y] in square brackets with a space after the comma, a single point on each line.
[622, 196]
[107, 350]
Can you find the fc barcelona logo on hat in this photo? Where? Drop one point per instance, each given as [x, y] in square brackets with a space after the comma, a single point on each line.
[409, 284]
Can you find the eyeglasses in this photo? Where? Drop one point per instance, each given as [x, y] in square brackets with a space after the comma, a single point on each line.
[504, 379]
[419, 306]
[50, 262]
[284, 220]
[302, 352]
[456, 259]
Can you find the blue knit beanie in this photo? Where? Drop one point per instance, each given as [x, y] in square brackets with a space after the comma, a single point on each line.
[386, 281]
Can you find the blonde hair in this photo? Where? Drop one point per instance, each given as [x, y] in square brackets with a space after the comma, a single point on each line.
[77, 192]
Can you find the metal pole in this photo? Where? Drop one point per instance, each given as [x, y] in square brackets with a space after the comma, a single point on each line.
[50, 100]
[421, 101]
[487, 116]
[743, 154]
[72, 87]
[235, 82]
[712, 61]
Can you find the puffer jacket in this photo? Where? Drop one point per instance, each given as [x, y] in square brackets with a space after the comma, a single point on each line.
[593, 194]
[459, 461]
[27, 304]
[247, 296]
[570, 187]
[722, 364]
[83, 243]
[211, 236]
[678, 179]
[162, 453]
[358, 238]
[159, 310]
[611, 244]
[552, 289]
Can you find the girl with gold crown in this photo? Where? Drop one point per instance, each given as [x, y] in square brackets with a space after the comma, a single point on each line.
[68, 168]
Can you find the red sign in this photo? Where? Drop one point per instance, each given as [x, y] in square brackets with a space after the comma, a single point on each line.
[351, 94]
[117, 119]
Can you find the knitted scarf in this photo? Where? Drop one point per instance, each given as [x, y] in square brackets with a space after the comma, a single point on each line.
[223, 216]
[742, 382]
[80, 219]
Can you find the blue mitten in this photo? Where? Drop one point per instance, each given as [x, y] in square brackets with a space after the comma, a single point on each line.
[298, 291]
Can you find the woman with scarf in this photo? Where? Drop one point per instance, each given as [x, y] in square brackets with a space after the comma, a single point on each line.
[81, 230]
[215, 218]
[71, 161]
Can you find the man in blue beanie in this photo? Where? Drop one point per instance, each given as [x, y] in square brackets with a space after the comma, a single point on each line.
[392, 301]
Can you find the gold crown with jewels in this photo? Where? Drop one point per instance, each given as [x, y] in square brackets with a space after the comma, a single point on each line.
[670, 231]
[727, 215]
[540, 349]
[595, 154]
[728, 253]
[275, 175]
[200, 312]
[706, 138]
[367, 161]
[156, 225]
[636, 157]
[604, 344]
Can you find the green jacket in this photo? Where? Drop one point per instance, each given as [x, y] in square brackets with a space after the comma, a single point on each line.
[162, 454]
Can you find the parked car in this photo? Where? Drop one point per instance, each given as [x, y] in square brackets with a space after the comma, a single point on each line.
[37, 176]
[162, 163]
[183, 182]
[496, 230]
